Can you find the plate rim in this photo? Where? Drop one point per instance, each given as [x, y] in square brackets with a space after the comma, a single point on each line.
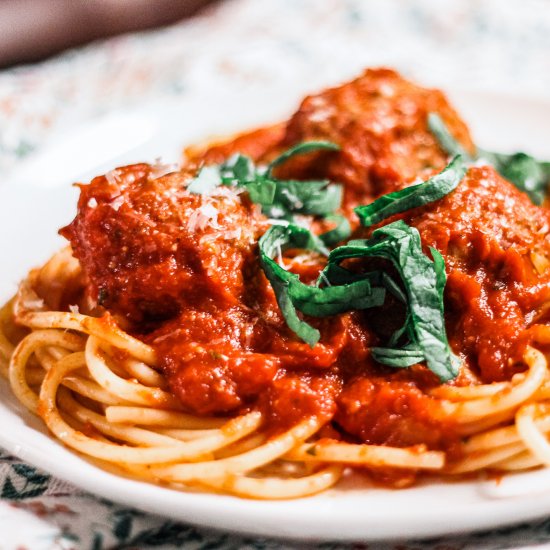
[226, 512]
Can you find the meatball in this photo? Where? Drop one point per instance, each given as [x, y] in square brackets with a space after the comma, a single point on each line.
[380, 122]
[496, 245]
[149, 247]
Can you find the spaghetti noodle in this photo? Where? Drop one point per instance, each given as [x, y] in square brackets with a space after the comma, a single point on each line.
[174, 361]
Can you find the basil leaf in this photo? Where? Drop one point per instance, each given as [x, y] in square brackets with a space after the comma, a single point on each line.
[279, 199]
[446, 140]
[524, 171]
[341, 231]
[398, 358]
[322, 302]
[238, 169]
[317, 198]
[292, 295]
[414, 196]
[261, 192]
[393, 288]
[300, 149]
[335, 274]
[528, 174]
[423, 281]
[280, 282]
[279, 238]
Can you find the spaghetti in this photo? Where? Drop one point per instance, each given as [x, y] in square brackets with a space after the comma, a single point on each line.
[173, 359]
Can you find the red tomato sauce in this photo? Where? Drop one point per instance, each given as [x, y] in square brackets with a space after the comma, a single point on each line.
[182, 270]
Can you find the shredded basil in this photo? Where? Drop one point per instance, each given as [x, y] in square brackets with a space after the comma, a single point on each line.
[423, 281]
[524, 171]
[299, 149]
[341, 231]
[292, 295]
[316, 198]
[421, 338]
[279, 199]
[238, 169]
[416, 195]
[446, 140]
[403, 357]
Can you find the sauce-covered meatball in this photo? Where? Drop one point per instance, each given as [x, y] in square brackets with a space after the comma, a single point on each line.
[496, 245]
[149, 247]
[380, 122]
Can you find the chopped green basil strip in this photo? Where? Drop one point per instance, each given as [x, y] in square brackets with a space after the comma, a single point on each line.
[524, 171]
[280, 285]
[301, 148]
[317, 198]
[416, 195]
[423, 281]
[280, 238]
[279, 199]
[446, 140]
[261, 192]
[293, 295]
[341, 231]
[331, 300]
[398, 358]
[238, 169]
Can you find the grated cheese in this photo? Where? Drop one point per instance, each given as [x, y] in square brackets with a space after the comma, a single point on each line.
[115, 204]
[204, 216]
[159, 168]
[113, 177]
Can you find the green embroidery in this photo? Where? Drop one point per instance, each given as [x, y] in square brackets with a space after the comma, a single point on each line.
[122, 523]
[26, 482]
[173, 533]
[97, 543]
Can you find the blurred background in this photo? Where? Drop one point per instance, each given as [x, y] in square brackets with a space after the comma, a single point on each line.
[31, 30]
[495, 45]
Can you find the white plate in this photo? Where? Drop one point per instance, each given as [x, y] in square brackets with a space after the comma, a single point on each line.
[39, 199]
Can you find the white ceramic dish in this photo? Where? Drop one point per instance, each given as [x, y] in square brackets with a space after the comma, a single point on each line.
[38, 200]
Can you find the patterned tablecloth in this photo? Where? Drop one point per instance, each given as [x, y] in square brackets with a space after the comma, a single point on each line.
[485, 45]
